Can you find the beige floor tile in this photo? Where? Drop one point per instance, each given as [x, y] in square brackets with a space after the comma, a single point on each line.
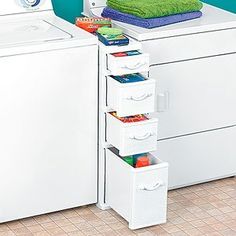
[116, 226]
[42, 233]
[197, 223]
[214, 234]
[70, 213]
[104, 228]
[219, 226]
[78, 219]
[179, 233]
[15, 225]
[4, 227]
[125, 232]
[172, 229]
[206, 229]
[49, 225]
[42, 219]
[82, 226]
[76, 233]
[21, 231]
[211, 221]
[89, 217]
[56, 231]
[228, 232]
[96, 223]
[56, 216]
[185, 226]
[177, 220]
[29, 222]
[146, 233]
[90, 231]
[63, 222]
[207, 206]
[69, 228]
[83, 211]
[193, 232]
[7, 233]
[35, 228]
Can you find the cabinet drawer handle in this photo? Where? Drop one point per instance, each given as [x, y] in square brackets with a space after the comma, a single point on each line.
[139, 99]
[134, 67]
[153, 188]
[144, 137]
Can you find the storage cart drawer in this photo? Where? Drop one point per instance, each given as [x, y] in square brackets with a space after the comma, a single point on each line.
[131, 98]
[132, 138]
[138, 194]
[117, 65]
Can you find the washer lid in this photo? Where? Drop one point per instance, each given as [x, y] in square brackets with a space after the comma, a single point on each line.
[29, 32]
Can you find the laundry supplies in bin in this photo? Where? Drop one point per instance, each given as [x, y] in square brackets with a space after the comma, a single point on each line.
[112, 36]
[92, 24]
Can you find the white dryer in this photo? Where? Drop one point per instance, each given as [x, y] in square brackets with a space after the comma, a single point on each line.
[48, 111]
[194, 65]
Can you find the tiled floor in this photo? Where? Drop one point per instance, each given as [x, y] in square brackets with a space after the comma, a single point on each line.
[207, 209]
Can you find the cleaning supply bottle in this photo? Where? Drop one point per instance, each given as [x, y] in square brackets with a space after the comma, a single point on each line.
[129, 160]
[142, 162]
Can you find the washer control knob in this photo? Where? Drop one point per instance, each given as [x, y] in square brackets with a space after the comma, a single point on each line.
[31, 4]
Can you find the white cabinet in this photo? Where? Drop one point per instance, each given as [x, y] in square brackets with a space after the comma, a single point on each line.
[195, 95]
[200, 157]
[137, 194]
[131, 98]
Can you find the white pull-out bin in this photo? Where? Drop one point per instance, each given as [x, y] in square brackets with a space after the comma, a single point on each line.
[127, 64]
[131, 98]
[132, 138]
[138, 194]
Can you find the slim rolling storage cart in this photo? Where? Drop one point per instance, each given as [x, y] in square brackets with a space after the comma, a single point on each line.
[139, 195]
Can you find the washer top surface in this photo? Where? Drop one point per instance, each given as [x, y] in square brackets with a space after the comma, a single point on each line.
[213, 19]
[25, 32]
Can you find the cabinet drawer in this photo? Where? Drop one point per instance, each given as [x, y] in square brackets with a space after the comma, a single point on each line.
[127, 64]
[138, 194]
[132, 138]
[131, 98]
[191, 46]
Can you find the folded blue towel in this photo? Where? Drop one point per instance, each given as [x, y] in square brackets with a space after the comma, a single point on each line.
[151, 22]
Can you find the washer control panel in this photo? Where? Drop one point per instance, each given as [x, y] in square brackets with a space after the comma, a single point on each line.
[30, 4]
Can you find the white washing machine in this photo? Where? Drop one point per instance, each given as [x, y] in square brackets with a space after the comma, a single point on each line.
[48, 111]
[194, 65]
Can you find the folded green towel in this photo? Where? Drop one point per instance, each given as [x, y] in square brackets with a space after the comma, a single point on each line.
[155, 8]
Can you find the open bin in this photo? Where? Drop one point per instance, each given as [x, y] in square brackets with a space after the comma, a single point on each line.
[139, 195]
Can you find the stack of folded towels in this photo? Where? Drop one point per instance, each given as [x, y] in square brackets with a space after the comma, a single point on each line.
[152, 13]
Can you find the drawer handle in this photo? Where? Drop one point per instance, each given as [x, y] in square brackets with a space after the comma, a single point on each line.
[153, 188]
[144, 137]
[139, 99]
[134, 67]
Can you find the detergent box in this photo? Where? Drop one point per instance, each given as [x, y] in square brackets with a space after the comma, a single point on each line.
[92, 24]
